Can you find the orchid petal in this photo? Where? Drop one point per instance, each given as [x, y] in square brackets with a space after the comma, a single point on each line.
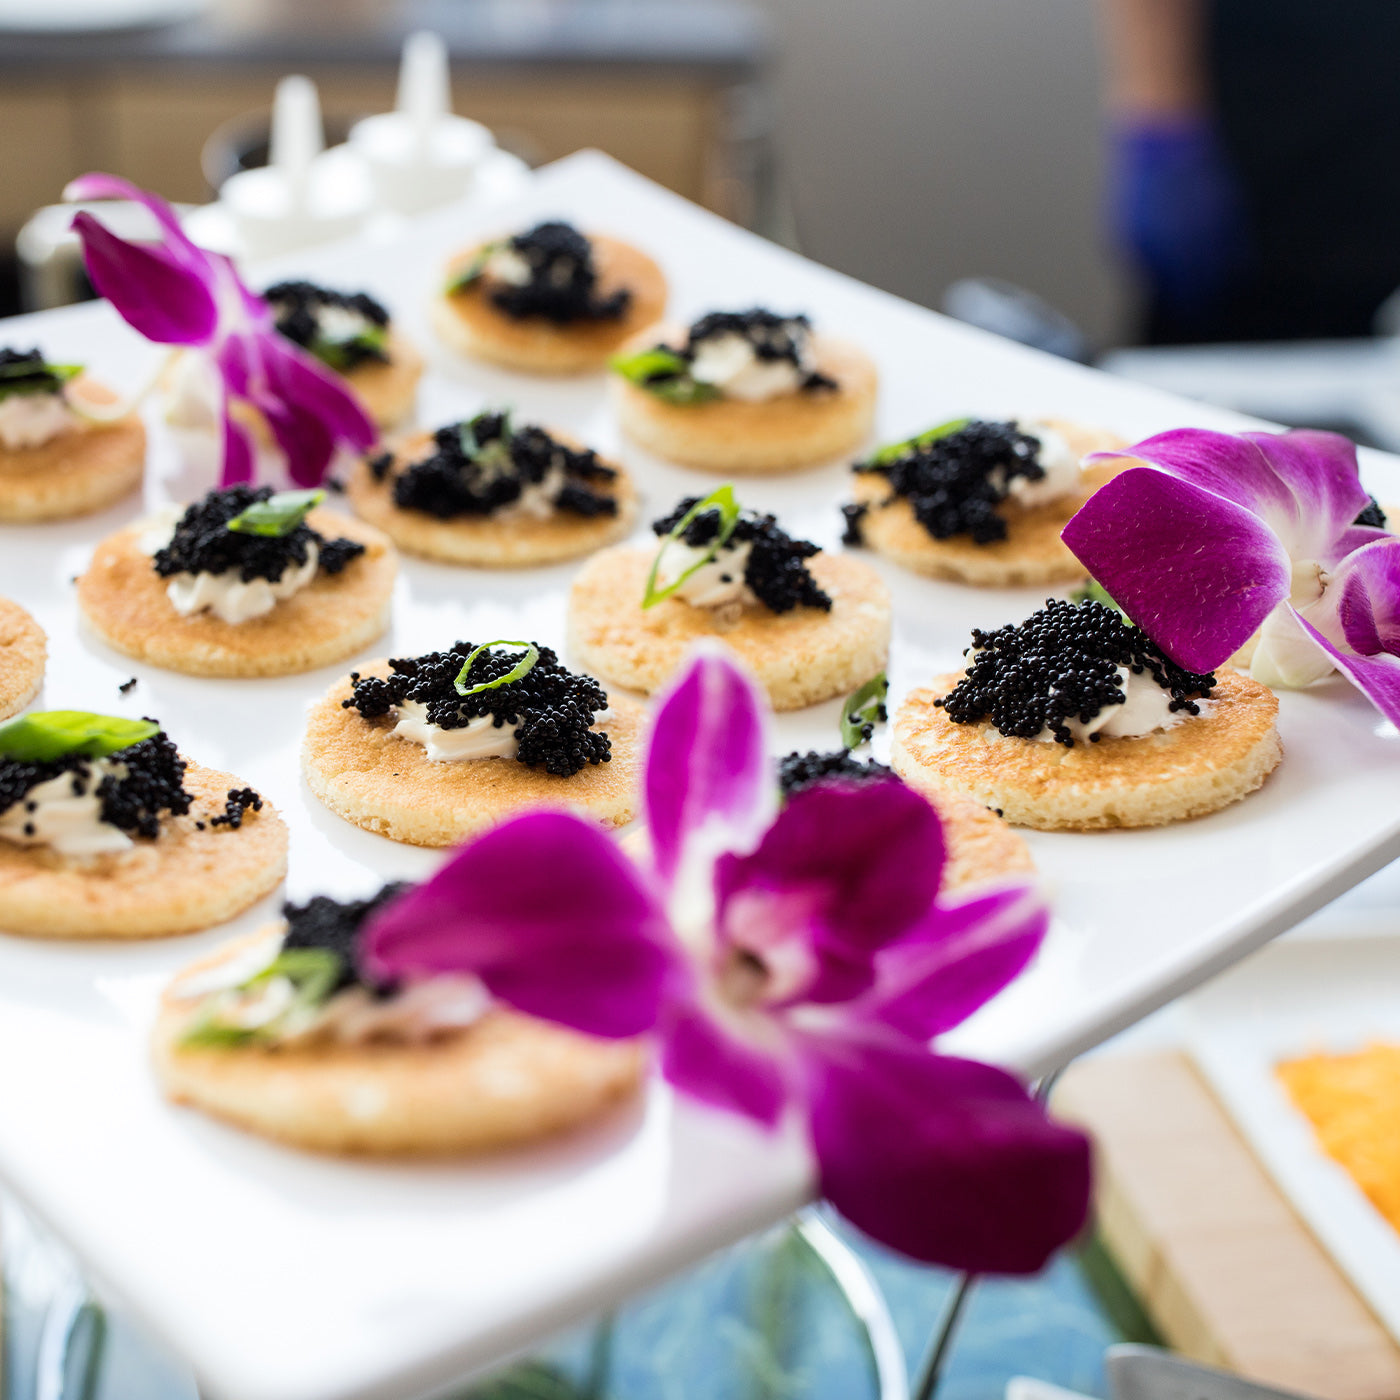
[948, 1161]
[238, 453]
[1376, 677]
[962, 955]
[300, 379]
[708, 785]
[99, 186]
[1366, 588]
[163, 298]
[845, 869]
[701, 1060]
[1197, 572]
[550, 915]
[1305, 485]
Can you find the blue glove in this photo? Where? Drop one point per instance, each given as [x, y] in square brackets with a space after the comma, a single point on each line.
[1176, 210]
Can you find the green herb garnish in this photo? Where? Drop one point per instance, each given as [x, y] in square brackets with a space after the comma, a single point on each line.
[1095, 592]
[345, 353]
[729, 509]
[278, 515]
[313, 974]
[665, 373]
[35, 377]
[863, 711]
[521, 668]
[473, 269]
[496, 452]
[50, 734]
[883, 456]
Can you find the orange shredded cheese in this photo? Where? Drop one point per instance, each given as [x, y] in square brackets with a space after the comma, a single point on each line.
[1353, 1104]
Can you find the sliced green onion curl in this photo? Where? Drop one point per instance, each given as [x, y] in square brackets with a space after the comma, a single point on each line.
[278, 515]
[521, 668]
[473, 270]
[863, 711]
[496, 452]
[729, 511]
[50, 734]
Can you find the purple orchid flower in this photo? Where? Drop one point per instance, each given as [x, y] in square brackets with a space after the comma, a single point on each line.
[176, 293]
[1224, 538]
[789, 965]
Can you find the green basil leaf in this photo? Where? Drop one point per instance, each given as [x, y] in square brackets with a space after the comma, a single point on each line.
[31, 378]
[665, 373]
[49, 734]
[473, 270]
[278, 515]
[729, 510]
[1094, 592]
[883, 456]
[523, 667]
[863, 711]
[313, 973]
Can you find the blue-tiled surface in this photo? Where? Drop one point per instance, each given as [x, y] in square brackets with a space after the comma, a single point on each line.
[762, 1322]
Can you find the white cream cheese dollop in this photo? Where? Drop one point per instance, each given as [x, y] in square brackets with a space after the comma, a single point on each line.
[65, 814]
[504, 264]
[728, 362]
[713, 585]
[1145, 710]
[230, 597]
[226, 594]
[1056, 458]
[481, 737]
[31, 420]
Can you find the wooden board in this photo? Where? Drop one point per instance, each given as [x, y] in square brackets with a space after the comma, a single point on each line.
[1226, 1271]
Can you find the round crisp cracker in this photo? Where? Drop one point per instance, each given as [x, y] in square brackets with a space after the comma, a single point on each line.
[387, 390]
[732, 436]
[1032, 552]
[800, 657]
[22, 653]
[87, 468]
[471, 324]
[124, 601]
[506, 1080]
[487, 541]
[184, 880]
[1200, 765]
[364, 773]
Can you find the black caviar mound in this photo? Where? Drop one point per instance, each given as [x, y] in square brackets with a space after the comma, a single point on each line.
[956, 482]
[800, 770]
[203, 543]
[297, 308]
[1372, 515]
[775, 573]
[27, 372]
[485, 465]
[563, 285]
[333, 926]
[154, 783]
[1062, 663]
[552, 708]
[773, 337]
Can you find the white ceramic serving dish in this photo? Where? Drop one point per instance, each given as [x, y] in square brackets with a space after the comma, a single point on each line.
[284, 1277]
[1296, 998]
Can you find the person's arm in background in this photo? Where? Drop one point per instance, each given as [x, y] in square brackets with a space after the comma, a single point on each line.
[1174, 206]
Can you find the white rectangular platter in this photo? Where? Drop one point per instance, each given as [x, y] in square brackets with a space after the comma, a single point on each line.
[284, 1277]
[1297, 998]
